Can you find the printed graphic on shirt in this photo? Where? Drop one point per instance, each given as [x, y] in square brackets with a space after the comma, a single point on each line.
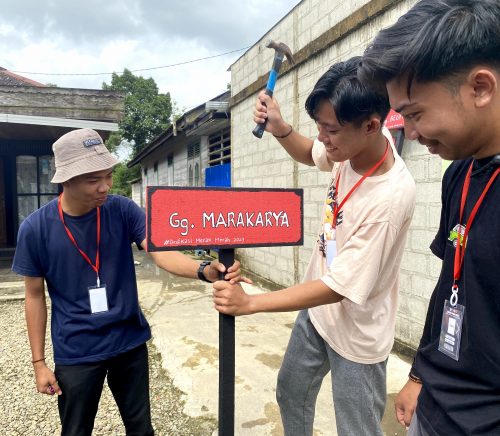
[328, 227]
[457, 233]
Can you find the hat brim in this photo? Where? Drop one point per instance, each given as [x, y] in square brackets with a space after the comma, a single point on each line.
[87, 165]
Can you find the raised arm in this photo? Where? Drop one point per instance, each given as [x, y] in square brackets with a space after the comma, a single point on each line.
[297, 146]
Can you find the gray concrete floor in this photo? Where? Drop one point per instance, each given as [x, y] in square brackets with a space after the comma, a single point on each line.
[185, 332]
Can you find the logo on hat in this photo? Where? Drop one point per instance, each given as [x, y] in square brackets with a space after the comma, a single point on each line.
[92, 141]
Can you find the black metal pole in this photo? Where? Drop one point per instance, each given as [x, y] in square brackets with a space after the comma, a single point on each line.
[226, 360]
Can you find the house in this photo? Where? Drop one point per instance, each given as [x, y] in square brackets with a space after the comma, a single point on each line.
[320, 33]
[32, 117]
[194, 151]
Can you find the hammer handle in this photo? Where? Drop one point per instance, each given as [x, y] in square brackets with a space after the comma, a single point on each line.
[258, 131]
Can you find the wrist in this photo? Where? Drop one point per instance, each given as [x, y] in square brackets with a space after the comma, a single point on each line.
[38, 363]
[255, 304]
[284, 131]
[201, 271]
[414, 378]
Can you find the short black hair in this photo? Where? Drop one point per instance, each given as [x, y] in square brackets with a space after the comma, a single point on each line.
[435, 40]
[351, 100]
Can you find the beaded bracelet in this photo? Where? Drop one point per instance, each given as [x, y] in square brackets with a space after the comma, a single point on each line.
[414, 378]
[286, 134]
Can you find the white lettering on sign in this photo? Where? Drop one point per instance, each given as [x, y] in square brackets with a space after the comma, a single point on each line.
[244, 219]
[182, 223]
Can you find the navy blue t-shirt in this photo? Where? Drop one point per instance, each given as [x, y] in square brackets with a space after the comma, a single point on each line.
[45, 250]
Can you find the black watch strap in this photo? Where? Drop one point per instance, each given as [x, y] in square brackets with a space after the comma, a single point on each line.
[201, 274]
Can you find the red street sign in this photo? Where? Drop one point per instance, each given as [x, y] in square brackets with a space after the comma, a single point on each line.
[394, 120]
[187, 218]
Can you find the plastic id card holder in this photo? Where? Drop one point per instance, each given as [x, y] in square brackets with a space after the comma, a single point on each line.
[331, 251]
[451, 330]
[98, 299]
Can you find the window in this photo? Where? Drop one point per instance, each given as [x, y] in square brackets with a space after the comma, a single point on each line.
[193, 150]
[196, 174]
[219, 148]
[190, 175]
[170, 170]
[194, 163]
[34, 189]
[155, 173]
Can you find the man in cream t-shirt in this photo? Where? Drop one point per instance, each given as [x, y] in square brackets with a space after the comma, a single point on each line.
[370, 239]
[351, 283]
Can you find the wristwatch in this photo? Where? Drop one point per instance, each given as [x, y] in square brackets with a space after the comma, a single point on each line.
[201, 274]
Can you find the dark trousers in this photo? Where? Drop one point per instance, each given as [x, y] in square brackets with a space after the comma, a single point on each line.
[128, 380]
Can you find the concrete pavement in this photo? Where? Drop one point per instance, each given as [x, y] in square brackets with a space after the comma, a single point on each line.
[185, 331]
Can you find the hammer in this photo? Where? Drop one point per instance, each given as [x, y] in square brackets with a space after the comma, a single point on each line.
[281, 50]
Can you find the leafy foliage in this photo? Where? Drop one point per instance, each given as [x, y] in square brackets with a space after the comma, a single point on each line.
[147, 112]
[122, 175]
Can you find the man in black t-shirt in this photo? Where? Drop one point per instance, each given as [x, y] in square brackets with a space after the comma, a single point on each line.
[440, 65]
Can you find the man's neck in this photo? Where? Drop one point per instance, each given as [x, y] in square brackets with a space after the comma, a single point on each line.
[72, 207]
[367, 159]
[488, 136]
[490, 149]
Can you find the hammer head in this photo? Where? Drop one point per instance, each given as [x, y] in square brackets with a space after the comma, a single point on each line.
[282, 48]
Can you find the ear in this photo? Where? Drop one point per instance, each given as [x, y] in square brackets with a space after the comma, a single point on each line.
[484, 83]
[373, 125]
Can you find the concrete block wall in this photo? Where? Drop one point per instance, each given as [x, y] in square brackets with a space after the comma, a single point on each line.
[263, 163]
[420, 268]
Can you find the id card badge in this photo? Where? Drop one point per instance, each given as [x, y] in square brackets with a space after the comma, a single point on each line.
[451, 330]
[98, 298]
[331, 251]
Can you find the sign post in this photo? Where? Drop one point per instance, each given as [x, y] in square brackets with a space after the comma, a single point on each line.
[226, 359]
[223, 218]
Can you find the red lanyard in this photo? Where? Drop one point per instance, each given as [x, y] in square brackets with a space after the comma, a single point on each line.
[337, 209]
[462, 241]
[72, 238]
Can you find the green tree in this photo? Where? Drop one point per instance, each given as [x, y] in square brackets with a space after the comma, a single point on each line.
[146, 112]
[122, 175]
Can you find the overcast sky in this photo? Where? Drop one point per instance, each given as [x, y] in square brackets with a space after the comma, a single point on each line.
[94, 36]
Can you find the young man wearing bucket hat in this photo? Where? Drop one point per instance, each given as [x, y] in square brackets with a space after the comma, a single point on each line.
[80, 245]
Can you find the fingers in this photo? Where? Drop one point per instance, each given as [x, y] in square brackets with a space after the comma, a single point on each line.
[222, 309]
[46, 382]
[233, 273]
[219, 285]
[263, 98]
[407, 418]
[220, 300]
[400, 416]
[261, 104]
[403, 414]
[240, 280]
[51, 389]
[55, 387]
[222, 293]
[236, 266]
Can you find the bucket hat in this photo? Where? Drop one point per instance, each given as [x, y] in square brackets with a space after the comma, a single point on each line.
[80, 152]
